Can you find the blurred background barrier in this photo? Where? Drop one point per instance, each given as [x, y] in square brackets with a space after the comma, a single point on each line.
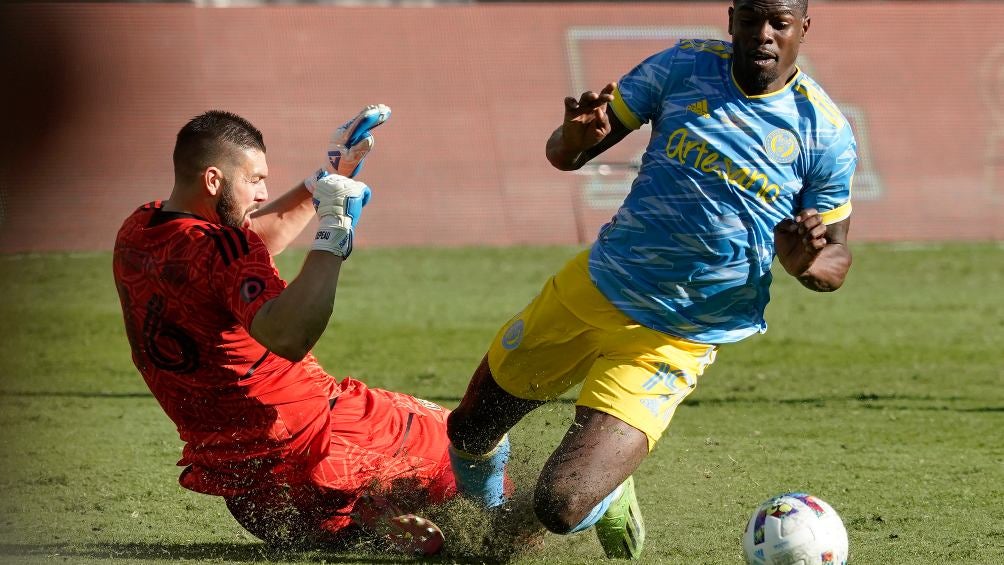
[93, 94]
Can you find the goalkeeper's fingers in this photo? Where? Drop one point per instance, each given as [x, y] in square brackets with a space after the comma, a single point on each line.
[369, 118]
[348, 162]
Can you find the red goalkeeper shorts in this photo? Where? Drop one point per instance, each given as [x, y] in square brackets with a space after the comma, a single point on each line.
[382, 443]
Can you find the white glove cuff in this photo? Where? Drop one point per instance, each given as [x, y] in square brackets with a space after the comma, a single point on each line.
[311, 182]
[334, 235]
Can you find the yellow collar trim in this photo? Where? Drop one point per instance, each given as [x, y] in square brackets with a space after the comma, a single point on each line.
[787, 85]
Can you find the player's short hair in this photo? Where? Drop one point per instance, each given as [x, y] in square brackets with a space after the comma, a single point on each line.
[209, 138]
[801, 5]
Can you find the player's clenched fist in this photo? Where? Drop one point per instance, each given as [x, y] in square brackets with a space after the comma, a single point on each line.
[798, 241]
[586, 122]
[339, 203]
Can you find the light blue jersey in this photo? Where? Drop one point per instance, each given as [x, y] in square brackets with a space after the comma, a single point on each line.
[689, 251]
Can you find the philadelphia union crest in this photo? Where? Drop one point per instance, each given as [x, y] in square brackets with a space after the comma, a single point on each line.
[513, 336]
[781, 146]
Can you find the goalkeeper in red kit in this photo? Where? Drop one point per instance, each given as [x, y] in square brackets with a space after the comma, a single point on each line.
[224, 345]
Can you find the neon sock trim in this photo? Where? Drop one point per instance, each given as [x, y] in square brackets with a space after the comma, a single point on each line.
[503, 444]
[597, 512]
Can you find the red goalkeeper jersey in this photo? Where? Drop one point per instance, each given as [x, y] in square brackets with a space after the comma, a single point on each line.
[189, 290]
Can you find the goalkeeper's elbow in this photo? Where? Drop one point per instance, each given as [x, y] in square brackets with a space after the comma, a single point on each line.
[295, 349]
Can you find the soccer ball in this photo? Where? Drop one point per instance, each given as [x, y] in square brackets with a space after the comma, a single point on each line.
[795, 529]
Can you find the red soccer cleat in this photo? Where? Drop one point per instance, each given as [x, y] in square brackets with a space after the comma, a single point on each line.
[407, 533]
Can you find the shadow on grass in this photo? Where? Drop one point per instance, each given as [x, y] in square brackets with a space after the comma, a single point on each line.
[225, 552]
[866, 400]
[72, 394]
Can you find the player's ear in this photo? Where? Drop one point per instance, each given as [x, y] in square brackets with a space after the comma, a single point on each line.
[212, 180]
[805, 27]
[731, 9]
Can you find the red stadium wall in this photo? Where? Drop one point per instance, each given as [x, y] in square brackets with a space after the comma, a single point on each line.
[92, 96]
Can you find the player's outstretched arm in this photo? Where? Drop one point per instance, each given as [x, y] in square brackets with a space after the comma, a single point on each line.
[588, 129]
[813, 252]
[279, 222]
[290, 324]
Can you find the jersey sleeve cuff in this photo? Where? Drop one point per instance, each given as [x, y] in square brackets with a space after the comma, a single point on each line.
[837, 214]
[623, 113]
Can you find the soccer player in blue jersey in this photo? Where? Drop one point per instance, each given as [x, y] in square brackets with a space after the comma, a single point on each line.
[748, 159]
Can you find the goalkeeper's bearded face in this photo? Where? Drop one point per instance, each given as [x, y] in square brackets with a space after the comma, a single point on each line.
[240, 197]
[229, 209]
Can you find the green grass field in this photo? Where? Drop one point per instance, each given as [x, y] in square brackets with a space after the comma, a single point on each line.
[885, 399]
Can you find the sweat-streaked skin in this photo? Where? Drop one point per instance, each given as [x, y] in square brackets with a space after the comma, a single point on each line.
[766, 36]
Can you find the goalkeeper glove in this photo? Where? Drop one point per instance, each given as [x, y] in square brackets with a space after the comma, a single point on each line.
[350, 144]
[339, 203]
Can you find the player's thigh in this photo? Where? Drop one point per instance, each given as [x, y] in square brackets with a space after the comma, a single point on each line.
[419, 465]
[642, 375]
[385, 440]
[544, 350]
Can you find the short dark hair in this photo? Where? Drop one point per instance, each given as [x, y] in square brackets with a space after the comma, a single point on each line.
[210, 136]
[801, 5]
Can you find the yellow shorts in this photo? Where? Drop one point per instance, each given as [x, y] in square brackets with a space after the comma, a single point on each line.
[572, 334]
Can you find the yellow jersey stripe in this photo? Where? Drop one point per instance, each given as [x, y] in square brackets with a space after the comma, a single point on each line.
[825, 107]
[837, 214]
[623, 113]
